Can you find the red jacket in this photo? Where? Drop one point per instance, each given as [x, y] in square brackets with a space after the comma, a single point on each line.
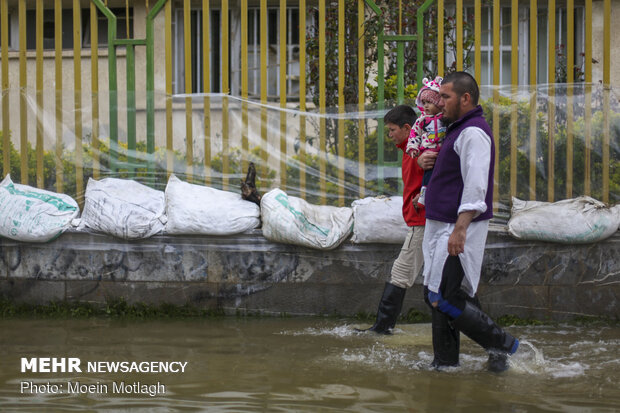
[412, 182]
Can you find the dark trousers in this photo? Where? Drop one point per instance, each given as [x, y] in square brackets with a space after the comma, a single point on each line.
[445, 335]
[450, 287]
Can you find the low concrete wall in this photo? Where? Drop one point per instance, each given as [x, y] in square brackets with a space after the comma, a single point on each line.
[247, 272]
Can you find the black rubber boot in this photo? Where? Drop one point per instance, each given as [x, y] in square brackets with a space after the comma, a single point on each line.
[446, 341]
[389, 309]
[478, 326]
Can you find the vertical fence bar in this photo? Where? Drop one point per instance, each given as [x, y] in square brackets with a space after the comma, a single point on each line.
[6, 134]
[570, 84]
[514, 80]
[58, 92]
[282, 93]
[39, 86]
[420, 41]
[496, 74]
[150, 81]
[263, 80]
[302, 98]
[77, 74]
[606, 92]
[94, 86]
[226, 90]
[245, 147]
[587, 189]
[400, 72]
[533, 93]
[127, 17]
[341, 82]
[23, 99]
[168, 70]
[189, 131]
[361, 98]
[131, 106]
[400, 17]
[441, 54]
[112, 84]
[551, 108]
[459, 35]
[477, 40]
[322, 102]
[380, 106]
[206, 75]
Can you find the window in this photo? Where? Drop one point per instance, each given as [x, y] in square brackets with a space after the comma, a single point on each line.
[102, 26]
[49, 28]
[273, 50]
[542, 64]
[253, 72]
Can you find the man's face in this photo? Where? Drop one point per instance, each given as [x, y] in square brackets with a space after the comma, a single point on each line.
[398, 134]
[449, 103]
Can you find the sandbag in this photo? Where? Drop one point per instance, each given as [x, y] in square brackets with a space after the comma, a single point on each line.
[379, 219]
[196, 209]
[292, 220]
[572, 221]
[34, 215]
[123, 208]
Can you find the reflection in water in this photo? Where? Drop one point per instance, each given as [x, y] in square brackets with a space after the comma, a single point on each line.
[298, 364]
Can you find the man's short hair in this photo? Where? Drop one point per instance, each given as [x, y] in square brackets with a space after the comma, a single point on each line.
[400, 115]
[463, 82]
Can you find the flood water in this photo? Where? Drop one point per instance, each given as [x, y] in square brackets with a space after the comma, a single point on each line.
[300, 365]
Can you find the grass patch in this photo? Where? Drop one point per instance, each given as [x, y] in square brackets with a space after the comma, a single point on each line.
[412, 316]
[512, 320]
[116, 308]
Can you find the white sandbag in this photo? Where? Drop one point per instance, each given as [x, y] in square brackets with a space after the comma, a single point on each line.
[32, 214]
[379, 219]
[572, 221]
[196, 209]
[123, 208]
[292, 220]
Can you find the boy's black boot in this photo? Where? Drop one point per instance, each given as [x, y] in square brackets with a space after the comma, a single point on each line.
[389, 309]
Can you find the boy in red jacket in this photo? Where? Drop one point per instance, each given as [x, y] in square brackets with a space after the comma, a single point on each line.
[407, 266]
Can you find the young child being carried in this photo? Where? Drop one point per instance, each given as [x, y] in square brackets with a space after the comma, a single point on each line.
[428, 131]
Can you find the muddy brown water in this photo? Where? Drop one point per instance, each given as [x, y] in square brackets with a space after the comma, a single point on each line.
[299, 365]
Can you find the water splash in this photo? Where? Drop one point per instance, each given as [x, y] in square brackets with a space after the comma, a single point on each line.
[402, 350]
[530, 360]
[383, 357]
[341, 331]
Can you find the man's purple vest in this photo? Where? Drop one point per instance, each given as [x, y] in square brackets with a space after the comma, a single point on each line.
[445, 189]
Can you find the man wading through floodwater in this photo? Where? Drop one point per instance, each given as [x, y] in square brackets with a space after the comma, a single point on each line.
[459, 206]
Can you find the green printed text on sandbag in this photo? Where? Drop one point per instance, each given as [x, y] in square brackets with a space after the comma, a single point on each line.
[300, 217]
[49, 199]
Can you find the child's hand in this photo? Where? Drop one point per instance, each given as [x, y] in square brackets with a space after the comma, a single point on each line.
[416, 206]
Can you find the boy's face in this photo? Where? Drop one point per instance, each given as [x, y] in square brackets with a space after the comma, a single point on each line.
[430, 108]
[398, 134]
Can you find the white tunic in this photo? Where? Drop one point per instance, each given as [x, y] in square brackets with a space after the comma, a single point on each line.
[474, 149]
